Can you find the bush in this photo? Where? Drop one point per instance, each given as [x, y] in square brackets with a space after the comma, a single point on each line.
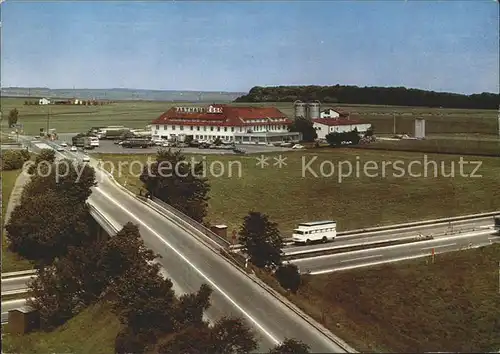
[288, 276]
[14, 159]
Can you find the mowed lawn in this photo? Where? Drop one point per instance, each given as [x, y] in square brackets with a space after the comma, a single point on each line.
[137, 114]
[356, 201]
[92, 331]
[415, 306]
[11, 262]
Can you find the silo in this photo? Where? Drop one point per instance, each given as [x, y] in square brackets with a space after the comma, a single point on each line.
[420, 128]
[314, 108]
[300, 109]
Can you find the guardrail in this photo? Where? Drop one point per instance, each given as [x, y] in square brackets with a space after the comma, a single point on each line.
[18, 274]
[420, 223]
[200, 227]
[15, 292]
[410, 239]
[102, 220]
[403, 227]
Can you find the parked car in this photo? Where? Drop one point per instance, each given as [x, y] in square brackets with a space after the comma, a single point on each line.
[239, 151]
[64, 144]
[60, 148]
[73, 148]
[86, 159]
[297, 146]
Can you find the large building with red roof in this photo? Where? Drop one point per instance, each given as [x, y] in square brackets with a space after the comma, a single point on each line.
[241, 125]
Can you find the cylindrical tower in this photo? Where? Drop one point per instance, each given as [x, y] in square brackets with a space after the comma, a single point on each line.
[314, 108]
[300, 109]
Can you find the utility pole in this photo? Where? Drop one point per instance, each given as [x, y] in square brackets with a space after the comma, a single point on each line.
[48, 119]
[499, 121]
[394, 123]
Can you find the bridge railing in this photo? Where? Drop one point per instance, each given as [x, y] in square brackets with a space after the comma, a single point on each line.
[200, 227]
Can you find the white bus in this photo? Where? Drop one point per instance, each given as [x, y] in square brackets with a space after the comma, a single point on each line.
[315, 231]
[94, 141]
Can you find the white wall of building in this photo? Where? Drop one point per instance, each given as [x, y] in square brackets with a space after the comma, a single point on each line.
[330, 113]
[208, 132]
[323, 130]
[43, 101]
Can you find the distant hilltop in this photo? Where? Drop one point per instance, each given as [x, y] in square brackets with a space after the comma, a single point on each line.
[119, 94]
[390, 96]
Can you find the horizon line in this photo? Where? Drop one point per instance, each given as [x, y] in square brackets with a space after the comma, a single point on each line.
[245, 92]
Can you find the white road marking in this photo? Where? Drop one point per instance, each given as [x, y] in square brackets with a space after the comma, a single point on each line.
[326, 271]
[428, 248]
[360, 258]
[210, 281]
[403, 246]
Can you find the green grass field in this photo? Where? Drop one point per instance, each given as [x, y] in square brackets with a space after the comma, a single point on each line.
[288, 198]
[11, 262]
[416, 306]
[488, 147]
[68, 119]
[92, 331]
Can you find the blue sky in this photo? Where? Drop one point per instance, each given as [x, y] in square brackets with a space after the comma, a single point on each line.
[233, 46]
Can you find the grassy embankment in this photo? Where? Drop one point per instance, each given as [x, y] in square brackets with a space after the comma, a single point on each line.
[415, 306]
[11, 262]
[289, 199]
[92, 331]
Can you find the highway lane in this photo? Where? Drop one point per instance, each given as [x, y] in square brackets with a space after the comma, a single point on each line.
[189, 264]
[379, 236]
[192, 264]
[10, 305]
[370, 257]
[12, 285]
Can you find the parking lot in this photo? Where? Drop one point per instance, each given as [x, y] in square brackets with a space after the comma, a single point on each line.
[108, 147]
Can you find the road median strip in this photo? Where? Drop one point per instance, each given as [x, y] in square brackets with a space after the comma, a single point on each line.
[351, 248]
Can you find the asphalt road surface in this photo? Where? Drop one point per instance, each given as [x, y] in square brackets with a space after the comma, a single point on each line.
[370, 257]
[11, 285]
[189, 264]
[453, 228]
[108, 147]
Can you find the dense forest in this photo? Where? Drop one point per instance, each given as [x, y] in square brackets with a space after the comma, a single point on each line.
[395, 96]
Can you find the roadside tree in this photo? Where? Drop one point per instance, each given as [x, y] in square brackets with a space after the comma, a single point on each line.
[13, 117]
[288, 276]
[290, 346]
[178, 182]
[261, 240]
[304, 126]
[45, 225]
[14, 159]
[68, 179]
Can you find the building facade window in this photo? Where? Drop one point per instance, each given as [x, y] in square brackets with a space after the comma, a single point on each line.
[157, 127]
[173, 127]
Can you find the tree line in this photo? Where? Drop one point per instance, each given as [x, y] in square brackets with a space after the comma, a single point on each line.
[75, 268]
[394, 96]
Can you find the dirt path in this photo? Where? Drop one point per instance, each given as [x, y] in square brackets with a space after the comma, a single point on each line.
[15, 195]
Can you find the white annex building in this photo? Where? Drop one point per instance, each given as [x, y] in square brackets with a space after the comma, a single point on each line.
[43, 101]
[336, 121]
[241, 125]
